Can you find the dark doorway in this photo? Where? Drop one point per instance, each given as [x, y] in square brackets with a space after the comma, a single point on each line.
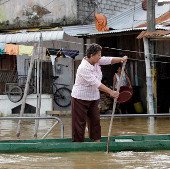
[28, 109]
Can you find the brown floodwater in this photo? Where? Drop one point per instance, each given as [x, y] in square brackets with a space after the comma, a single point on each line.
[87, 160]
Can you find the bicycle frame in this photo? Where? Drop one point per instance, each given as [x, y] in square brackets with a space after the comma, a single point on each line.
[22, 81]
[55, 84]
[62, 95]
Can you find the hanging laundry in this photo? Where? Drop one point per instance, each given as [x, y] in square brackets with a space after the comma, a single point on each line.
[26, 50]
[62, 53]
[101, 22]
[2, 48]
[57, 52]
[70, 53]
[12, 49]
[53, 59]
[52, 51]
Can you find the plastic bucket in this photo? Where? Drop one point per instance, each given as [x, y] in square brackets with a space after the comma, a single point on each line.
[138, 107]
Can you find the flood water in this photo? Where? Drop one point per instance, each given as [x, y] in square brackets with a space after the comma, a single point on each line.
[87, 160]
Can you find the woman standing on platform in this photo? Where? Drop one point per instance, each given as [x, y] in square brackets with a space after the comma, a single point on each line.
[86, 95]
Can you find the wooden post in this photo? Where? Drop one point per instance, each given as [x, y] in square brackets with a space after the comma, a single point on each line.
[39, 86]
[26, 90]
[84, 45]
[151, 28]
[150, 15]
[150, 102]
[148, 78]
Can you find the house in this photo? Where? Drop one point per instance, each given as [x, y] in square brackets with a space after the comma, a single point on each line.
[122, 40]
[34, 17]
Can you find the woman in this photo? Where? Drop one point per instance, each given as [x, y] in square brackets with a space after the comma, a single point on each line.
[86, 95]
[122, 108]
[125, 79]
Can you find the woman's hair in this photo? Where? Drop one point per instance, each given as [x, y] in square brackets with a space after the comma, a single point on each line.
[93, 49]
[117, 65]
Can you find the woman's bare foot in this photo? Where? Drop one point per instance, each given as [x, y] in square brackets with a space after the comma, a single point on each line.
[98, 141]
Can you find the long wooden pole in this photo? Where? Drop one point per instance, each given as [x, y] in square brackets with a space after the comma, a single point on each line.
[39, 81]
[26, 91]
[114, 106]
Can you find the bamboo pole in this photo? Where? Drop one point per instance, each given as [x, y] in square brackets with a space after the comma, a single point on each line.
[39, 85]
[114, 107]
[26, 91]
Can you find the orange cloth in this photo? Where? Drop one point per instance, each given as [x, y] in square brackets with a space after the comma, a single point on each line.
[12, 49]
[101, 22]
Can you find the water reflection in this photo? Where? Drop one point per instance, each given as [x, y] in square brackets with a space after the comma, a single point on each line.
[86, 160]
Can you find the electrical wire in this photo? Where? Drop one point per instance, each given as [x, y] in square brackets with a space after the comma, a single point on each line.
[140, 60]
[48, 3]
[4, 2]
[118, 49]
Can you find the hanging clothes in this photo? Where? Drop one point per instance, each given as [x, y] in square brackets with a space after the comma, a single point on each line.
[53, 59]
[12, 49]
[26, 50]
[2, 48]
[70, 53]
[101, 22]
[52, 51]
[124, 81]
[58, 52]
[62, 52]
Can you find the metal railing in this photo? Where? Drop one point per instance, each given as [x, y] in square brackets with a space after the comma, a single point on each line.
[58, 120]
[137, 115]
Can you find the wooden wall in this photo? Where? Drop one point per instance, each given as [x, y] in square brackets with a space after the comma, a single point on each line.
[8, 72]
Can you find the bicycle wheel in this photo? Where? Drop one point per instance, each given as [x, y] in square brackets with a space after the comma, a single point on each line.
[15, 94]
[62, 97]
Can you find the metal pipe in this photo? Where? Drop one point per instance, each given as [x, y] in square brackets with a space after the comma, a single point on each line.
[45, 135]
[137, 115]
[39, 118]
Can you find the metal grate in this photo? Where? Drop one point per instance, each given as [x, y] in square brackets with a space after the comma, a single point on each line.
[8, 76]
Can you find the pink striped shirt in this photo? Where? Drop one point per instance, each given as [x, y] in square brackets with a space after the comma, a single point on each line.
[88, 79]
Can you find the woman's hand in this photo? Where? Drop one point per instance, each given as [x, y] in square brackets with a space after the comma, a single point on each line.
[124, 59]
[114, 94]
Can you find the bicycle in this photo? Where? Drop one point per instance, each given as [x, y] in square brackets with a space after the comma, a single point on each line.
[15, 91]
[62, 95]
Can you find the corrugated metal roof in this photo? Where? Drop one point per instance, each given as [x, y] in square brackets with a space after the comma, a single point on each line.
[157, 33]
[23, 37]
[126, 21]
[167, 36]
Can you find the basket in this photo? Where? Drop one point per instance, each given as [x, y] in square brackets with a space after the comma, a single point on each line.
[125, 94]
